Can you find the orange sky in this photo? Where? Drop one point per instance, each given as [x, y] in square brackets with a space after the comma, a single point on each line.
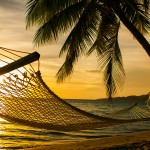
[86, 81]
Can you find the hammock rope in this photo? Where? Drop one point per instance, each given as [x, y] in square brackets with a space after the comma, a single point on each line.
[133, 111]
[26, 99]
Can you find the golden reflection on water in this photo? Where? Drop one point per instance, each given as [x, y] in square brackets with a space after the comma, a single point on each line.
[6, 131]
[2, 132]
[15, 136]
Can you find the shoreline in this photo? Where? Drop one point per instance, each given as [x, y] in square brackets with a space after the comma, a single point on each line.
[138, 140]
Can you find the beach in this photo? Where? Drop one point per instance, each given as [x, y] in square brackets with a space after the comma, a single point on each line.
[133, 141]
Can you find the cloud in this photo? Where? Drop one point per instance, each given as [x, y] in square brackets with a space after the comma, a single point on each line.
[92, 71]
[12, 13]
[16, 5]
[89, 84]
[12, 27]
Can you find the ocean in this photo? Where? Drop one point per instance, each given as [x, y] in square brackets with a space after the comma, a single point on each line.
[15, 136]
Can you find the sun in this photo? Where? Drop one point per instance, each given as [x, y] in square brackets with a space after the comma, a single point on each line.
[2, 120]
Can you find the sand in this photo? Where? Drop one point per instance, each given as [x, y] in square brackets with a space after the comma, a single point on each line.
[130, 141]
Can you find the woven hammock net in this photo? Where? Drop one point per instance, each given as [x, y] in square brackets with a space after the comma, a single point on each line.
[26, 99]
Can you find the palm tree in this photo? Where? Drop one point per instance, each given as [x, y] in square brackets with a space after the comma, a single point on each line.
[93, 26]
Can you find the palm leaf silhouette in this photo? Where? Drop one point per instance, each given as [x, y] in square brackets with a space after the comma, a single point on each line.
[93, 26]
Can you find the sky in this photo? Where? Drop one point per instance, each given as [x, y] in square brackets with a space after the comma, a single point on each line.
[86, 82]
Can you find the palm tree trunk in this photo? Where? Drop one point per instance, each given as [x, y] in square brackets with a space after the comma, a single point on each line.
[140, 38]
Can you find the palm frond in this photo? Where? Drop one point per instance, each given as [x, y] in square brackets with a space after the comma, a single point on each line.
[110, 59]
[137, 13]
[146, 4]
[114, 74]
[67, 68]
[105, 29]
[85, 31]
[80, 39]
[50, 30]
[100, 44]
[40, 11]
[32, 7]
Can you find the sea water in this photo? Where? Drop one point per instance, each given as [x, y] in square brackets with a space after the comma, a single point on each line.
[15, 136]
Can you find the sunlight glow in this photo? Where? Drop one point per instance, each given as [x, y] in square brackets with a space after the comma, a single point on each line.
[2, 120]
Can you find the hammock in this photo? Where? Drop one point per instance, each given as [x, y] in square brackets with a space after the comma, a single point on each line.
[26, 99]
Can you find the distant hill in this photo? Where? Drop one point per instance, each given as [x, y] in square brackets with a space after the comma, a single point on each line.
[127, 99]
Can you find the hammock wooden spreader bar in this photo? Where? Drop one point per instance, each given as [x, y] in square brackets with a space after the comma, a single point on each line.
[20, 62]
[26, 99]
